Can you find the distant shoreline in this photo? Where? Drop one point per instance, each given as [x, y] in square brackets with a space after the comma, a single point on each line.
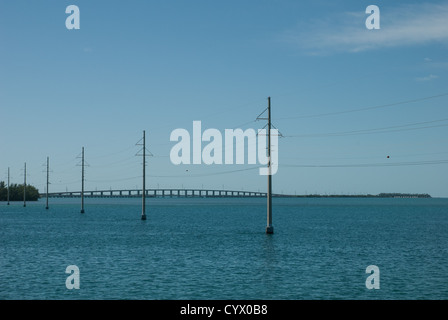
[381, 195]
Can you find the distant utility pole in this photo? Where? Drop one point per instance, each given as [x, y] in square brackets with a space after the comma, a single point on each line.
[82, 181]
[48, 176]
[269, 227]
[8, 188]
[144, 178]
[24, 188]
[142, 143]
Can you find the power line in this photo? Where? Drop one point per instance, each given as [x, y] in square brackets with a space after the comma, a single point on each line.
[365, 108]
[113, 180]
[366, 157]
[244, 124]
[112, 154]
[374, 130]
[364, 165]
[66, 183]
[197, 175]
[116, 162]
[224, 110]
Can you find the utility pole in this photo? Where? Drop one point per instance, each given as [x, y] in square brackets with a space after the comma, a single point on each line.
[8, 188]
[24, 188]
[82, 182]
[48, 175]
[269, 227]
[144, 179]
[142, 142]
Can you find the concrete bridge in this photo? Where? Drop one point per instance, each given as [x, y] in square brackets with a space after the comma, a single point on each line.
[163, 193]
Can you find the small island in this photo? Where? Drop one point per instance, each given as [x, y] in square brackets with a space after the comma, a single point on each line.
[16, 192]
[381, 195]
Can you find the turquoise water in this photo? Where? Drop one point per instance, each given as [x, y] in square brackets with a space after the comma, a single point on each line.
[217, 249]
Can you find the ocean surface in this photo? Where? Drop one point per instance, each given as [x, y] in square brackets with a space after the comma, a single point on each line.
[199, 248]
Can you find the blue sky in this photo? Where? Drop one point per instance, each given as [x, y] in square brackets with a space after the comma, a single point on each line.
[343, 96]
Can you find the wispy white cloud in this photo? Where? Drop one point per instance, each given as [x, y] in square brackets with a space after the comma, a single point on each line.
[427, 78]
[435, 64]
[405, 25]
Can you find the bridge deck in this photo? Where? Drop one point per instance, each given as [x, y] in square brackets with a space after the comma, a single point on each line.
[164, 193]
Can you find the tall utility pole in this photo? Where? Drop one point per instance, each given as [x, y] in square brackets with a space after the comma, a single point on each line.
[24, 187]
[144, 179]
[48, 176]
[269, 227]
[8, 187]
[142, 142]
[82, 182]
